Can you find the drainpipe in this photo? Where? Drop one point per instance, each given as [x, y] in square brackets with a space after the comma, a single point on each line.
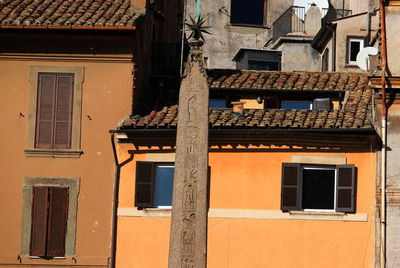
[115, 205]
[384, 134]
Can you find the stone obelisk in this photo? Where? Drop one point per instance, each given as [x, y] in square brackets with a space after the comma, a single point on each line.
[188, 238]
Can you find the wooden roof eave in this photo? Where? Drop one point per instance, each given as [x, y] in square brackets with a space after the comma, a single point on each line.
[351, 139]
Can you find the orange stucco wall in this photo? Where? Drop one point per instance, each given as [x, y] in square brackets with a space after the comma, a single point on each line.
[252, 181]
[106, 98]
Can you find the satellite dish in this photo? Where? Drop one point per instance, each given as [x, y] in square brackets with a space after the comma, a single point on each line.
[363, 57]
[307, 4]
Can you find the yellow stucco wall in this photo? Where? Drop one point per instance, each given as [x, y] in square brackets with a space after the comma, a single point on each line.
[246, 181]
[106, 98]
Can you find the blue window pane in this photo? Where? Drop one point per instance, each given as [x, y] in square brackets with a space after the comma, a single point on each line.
[164, 185]
[216, 103]
[298, 105]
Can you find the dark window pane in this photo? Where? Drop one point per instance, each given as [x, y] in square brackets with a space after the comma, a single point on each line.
[263, 65]
[164, 185]
[318, 189]
[247, 12]
[290, 174]
[298, 105]
[289, 197]
[355, 47]
[344, 198]
[216, 103]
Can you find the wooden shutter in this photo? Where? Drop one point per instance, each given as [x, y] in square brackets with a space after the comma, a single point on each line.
[54, 111]
[57, 221]
[345, 188]
[45, 111]
[39, 221]
[63, 111]
[144, 184]
[291, 187]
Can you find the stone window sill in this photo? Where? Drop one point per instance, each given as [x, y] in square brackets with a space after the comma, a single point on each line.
[317, 213]
[253, 214]
[60, 261]
[54, 153]
[351, 65]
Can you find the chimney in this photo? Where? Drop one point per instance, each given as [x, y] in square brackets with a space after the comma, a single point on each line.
[312, 23]
[238, 106]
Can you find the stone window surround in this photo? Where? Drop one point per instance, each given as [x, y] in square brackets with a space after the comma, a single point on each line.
[75, 151]
[350, 38]
[73, 185]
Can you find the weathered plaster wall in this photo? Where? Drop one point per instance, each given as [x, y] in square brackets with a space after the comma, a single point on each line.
[227, 39]
[106, 99]
[300, 57]
[249, 181]
[393, 186]
[393, 39]
[346, 27]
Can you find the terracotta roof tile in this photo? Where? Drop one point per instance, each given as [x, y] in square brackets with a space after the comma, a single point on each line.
[107, 13]
[356, 110]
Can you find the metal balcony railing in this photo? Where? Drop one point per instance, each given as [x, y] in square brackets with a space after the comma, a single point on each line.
[291, 21]
[329, 14]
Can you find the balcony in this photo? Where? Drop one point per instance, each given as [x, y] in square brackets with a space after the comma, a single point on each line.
[329, 14]
[292, 20]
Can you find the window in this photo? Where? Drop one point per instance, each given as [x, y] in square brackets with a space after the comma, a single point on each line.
[154, 184]
[49, 210]
[315, 104]
[49, 221]
[296, 104]
[263, 65]
[318, 187]
[354, 45]
[247, 12]
[55, 111]
[217, 103]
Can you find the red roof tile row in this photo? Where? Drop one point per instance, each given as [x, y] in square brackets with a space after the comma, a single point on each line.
[356, 111]
[100, 13]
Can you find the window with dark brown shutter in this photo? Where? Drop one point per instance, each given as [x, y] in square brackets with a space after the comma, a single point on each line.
[144, 184]
[291, 187]
[345, 188]
[49, 221]
[54, 111]
[318, 187]
[154, 184]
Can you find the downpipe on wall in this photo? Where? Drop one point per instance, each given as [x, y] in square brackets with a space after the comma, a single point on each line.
[384, 135]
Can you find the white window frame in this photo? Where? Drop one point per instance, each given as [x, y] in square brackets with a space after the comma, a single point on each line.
[155, 177]
[315, 167]
[353, 39]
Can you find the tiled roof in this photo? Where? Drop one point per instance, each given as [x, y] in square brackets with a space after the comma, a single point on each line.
[93, 13]
[326, 81]
[356, 110]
